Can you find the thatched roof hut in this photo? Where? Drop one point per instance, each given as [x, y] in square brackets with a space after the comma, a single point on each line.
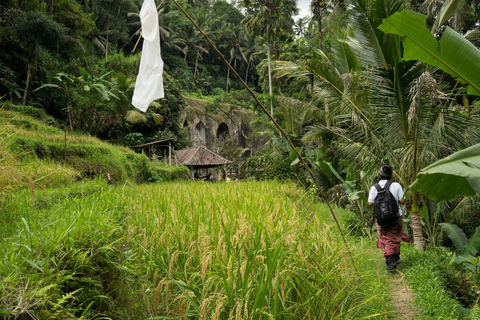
[200, 157]
[200, 160]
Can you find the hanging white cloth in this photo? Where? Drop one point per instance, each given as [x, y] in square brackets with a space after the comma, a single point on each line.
[149, 83]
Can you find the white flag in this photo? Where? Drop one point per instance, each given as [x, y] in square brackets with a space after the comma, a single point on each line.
[149, 83]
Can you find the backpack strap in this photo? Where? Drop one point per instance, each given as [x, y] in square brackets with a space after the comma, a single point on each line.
[388, 184]
[378, 187]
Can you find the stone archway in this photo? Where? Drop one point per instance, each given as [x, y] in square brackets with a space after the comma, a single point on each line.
[222, 130]
[200, 138]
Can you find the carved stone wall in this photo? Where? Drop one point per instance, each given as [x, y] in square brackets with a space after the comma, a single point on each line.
[205, 128]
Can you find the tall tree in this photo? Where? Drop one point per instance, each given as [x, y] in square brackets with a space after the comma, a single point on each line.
[300, 26]
[34, 31]
[250, 50]
[111, 21]
[318, 7]
[192, 40]
[268, 17]
[236, 38]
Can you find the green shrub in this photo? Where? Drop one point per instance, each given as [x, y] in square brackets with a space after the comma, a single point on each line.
[137, 166]
[352, 223]
[134, 138]
[163, 172]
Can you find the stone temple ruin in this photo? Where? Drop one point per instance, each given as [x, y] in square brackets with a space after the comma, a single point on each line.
[208, 126]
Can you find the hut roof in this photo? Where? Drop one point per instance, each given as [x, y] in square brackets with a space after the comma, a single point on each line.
[200, 156]
[161, 143]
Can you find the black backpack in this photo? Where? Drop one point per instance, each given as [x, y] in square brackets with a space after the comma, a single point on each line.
[386, 207]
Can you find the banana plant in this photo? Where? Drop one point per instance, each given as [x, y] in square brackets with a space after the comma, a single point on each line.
[454, 176]
[467, 248]
[453, 53]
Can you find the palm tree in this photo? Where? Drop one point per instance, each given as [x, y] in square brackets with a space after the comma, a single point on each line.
[121, 107]
[300, 26]
[268, 17]
[234, 45]
[168, 38]
[250, 50]
[192, 39]
[318, 6]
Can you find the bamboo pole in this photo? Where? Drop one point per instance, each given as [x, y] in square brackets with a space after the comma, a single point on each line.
[282, 132]
[140, 36]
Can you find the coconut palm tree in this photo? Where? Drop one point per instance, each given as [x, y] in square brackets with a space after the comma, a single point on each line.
[300, 26]
[317, 7]
[268, 17]
[236, 37]
[192, 40]
[168, 38]
[250, 50]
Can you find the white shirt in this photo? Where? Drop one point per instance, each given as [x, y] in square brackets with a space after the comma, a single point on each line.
[395, 188]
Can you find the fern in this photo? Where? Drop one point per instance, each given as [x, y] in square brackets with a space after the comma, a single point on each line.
[58, 307]
[475, 312]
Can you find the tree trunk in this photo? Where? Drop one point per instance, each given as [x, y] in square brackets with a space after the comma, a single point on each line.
[106, 45]
[195, 72]
[228, 74]
[124, 126]
[29, 72]
[320, 33]
[50, 7]
[417, 224]
[246, 73]
[65, 128]
[269, 71]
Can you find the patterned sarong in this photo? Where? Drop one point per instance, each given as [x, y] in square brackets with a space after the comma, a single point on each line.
[389, 238]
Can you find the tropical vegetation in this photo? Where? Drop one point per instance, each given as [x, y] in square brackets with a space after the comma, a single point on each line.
[355, 85]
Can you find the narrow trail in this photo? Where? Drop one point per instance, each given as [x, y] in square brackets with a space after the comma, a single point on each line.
[402, 298]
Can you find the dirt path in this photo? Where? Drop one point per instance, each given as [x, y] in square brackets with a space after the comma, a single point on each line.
[402, 298]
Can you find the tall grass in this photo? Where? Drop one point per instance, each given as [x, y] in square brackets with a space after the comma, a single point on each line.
[180, 250]
[243, 251]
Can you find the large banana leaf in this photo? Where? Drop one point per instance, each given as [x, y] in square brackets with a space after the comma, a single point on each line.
[473, 244]
[453, 176]
[452, 54]
[455, 234]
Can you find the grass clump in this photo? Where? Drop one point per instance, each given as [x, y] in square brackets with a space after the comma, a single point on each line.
[36, 113]
[64, 258]
[427, 273]
[163, 172]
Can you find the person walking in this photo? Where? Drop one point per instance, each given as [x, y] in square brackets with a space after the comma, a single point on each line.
[390, 233]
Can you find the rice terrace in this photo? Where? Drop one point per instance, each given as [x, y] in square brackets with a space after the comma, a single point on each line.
[239, 160]
[184, 249]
